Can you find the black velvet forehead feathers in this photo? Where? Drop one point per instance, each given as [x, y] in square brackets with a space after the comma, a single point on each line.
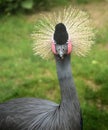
[60, 34]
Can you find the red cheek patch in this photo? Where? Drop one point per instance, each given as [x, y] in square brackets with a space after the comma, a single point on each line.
[69, 47]
[53, 48]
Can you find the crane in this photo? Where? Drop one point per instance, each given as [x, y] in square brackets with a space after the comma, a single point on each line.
[38, 114]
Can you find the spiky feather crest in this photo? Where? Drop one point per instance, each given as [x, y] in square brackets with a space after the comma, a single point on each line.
[78, 26]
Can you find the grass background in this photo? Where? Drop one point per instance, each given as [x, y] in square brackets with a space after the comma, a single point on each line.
[24, 75]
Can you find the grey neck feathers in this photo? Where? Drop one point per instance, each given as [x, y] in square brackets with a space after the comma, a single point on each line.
[68, 90]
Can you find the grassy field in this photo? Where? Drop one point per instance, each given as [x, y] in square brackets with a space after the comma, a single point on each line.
[24, 75]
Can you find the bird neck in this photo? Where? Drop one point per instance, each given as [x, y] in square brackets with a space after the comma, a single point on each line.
[67, 87]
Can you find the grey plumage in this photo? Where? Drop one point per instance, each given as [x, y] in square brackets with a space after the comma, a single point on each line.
[37, 114]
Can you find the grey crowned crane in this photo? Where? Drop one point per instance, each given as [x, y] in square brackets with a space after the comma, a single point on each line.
[57, 35]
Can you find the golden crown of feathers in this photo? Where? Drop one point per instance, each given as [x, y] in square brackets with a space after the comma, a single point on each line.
[78, 26]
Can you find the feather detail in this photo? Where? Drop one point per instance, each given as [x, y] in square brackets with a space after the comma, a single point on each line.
[78, 26]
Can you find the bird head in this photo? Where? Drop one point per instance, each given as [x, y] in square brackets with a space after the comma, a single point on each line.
[61, 45]
[54, 31]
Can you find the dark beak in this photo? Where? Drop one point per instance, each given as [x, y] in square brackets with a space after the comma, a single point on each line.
[61, 54]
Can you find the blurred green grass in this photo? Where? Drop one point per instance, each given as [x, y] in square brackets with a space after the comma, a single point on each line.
[24, 75]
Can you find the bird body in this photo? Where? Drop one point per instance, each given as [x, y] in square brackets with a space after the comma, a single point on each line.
[26, 114]
[38, 114]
